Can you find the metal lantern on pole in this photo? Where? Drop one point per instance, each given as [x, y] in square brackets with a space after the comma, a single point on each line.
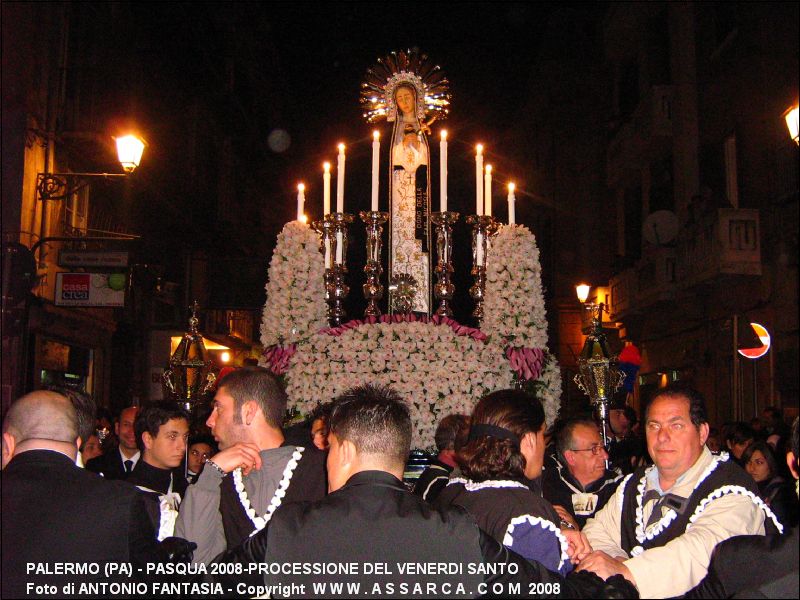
[189, 375]
[598, 375]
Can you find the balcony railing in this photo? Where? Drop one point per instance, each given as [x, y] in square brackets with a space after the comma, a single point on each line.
[723, 242]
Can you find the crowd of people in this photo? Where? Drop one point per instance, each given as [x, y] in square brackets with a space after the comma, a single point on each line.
[508, 507]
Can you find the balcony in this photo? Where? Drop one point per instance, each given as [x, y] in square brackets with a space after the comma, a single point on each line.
[723, 242]
[644, 137]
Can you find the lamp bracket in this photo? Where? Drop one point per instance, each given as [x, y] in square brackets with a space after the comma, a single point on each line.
[59, 186]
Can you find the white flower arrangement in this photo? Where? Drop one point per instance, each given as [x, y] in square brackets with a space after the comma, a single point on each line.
[295, 307]
[436, 370]
[514, 299]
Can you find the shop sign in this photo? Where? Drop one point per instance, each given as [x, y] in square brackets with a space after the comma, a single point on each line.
[85, 258]
[90, 289]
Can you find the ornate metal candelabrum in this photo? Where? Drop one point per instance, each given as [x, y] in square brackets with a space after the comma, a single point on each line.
[444, 288]
[598, 376]
[336, 289]
[373, 288]
[483, 228]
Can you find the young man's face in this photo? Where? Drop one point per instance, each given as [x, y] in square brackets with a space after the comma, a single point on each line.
[167, 449]
[226, 426]
[199, 453]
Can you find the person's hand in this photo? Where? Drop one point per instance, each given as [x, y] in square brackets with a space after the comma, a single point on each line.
[242, 454]
[579, 546]
[564, 514]
[411, 139]
[605, 566]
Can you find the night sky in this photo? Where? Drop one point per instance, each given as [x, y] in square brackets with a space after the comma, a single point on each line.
[295, 90]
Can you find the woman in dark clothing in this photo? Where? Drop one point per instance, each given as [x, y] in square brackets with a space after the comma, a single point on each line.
[773, 489]
[500, 462]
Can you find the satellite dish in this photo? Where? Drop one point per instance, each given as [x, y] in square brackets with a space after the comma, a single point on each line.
[660, 228]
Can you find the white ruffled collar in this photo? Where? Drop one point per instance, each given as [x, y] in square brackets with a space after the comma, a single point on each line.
[261, 521]
[474, 486]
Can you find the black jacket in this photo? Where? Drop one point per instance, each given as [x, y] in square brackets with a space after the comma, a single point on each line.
[109, 465]
[56, 512]
[558, 486]
[374, 520]
[752, 566]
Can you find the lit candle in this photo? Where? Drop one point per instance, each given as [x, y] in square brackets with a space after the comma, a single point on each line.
[301, 201]
[512, 218]
[487, 197]
[443, 172]
[479, 180]
[340, 181]
[376, 153]
[326, 189]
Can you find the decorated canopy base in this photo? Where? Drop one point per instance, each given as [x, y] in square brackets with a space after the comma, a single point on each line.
[436, 364]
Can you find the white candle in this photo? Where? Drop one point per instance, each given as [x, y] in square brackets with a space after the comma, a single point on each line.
[512, 217]
[376, 153]
[487, 195]
[340, 181]
[479, 179]
[443, 172]
[328, 264]
[301, 201]
[326, 189]
[339, 248]
[479, 249]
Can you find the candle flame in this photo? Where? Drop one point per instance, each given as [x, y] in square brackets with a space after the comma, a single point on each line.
[303, 219]
[301, 187]
[511, 188]
[489, 169]
[375, 136]
[444, 135]
[341, 147]
[479, 148]
[326, 166]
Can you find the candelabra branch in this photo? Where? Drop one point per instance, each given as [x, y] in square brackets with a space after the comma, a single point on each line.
[483, 228]
[373, 288]
[444, 288]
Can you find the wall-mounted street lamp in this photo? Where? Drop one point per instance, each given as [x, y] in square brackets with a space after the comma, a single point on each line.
[791, 118]
[59, 186]
[598, 375]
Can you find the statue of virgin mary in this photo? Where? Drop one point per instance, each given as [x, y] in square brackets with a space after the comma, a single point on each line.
[407, 91]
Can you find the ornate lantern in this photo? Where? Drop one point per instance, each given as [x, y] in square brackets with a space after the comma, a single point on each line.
[189, 377]
[598, 376]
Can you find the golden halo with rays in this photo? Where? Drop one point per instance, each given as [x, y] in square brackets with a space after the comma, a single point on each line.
[404, 68]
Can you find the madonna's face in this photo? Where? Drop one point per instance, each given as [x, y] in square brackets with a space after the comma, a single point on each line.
[405, 100]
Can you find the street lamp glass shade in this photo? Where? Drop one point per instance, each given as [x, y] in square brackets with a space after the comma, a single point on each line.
[791, 117]
[129, 151]
[582, 290]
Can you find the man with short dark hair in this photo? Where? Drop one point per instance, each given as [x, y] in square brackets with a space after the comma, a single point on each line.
[676, 511]
[576, 481]
[254, 472]
[54, 512]
[119, 462]
[162, 430]
[369, 518]
[201, 448]
[435, 477]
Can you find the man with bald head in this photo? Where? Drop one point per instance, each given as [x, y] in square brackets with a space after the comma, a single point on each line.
[55, 512]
